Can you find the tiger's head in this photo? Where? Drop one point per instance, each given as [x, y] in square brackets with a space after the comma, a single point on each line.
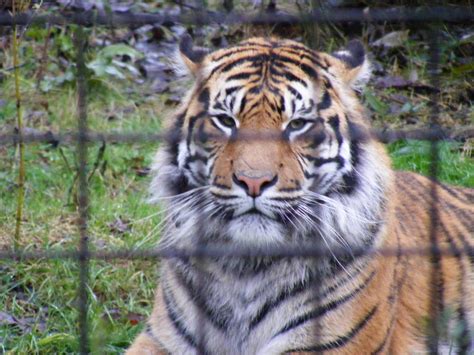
[271, 144]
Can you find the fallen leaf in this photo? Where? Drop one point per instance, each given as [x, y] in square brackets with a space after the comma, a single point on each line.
[135, 318]
[7, 319]
[119, 226]
[392, 39]
[26, 324]
[397, 82]
[144, 171]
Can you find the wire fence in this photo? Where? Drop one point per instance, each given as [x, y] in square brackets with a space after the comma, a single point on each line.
[433, 16]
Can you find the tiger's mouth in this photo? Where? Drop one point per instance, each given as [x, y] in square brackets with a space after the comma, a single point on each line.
[253, 209]
[256, 213]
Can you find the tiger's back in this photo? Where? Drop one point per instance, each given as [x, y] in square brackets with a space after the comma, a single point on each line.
[438, 217]
[272, 148]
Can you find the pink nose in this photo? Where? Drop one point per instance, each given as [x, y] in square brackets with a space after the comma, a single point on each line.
[254, 185]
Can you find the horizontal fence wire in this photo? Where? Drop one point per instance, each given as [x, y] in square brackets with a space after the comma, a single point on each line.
[383, 135]
[305, 250]
[201, 17]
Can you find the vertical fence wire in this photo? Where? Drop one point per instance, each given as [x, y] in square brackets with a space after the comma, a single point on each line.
[83, 195]
[436, 297]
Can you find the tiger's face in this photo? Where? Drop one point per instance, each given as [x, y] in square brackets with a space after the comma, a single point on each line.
[270, 132]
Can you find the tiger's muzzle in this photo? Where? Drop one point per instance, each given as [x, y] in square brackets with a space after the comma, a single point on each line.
[254, 181]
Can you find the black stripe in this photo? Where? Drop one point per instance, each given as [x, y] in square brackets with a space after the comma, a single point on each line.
[243, 75]
[282, 103]
[290, 189]
[202, 136]
[301, 53]
[217, 106]
[270, 104]
[148, 329]
[317, 161]
[249, 266]
[192, 123]
[343, 282]
[214, 124]
[204, 98]
[255, 89]
[325, 102]
[242, 104]
[231, 51]
[335, 124]
[381, 346]
[461, 194]
[218, 316]
[343, 340]
[327, 84]
[289, 76]
[351, 179]
[465, 336]
[283, 59]
[467, 247]
[349, 183]
[174, 318]
[225, 197]
[316, 134]
[195, 157]
[322, 310]
[254, 105]
[306, 53]
[294, 92]
[232, 89]
[174, 136]
[231, 104]
[308, 175]
[260, 58]
[272, 304]
[221, 186]
[466, 218]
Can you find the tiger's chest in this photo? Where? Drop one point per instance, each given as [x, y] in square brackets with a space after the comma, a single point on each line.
[276, 310]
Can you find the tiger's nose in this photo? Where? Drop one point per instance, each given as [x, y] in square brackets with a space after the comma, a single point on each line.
[254, 185]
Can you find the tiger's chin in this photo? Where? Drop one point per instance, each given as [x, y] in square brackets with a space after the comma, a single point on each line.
[255, 229]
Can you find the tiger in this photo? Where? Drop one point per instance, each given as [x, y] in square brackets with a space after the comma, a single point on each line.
[273, 148]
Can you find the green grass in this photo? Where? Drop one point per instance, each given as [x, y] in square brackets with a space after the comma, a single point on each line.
[41, 295]
[455, 166]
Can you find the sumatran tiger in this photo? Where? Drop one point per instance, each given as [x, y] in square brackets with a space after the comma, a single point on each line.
[271, 148]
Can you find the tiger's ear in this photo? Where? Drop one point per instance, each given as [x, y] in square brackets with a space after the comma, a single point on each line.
[190, 57]
[357, 68]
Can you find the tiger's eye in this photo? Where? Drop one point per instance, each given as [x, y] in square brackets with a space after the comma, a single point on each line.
[226, 121]
[297, 124]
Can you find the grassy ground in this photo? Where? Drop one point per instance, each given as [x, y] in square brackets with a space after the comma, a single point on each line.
[39, 297]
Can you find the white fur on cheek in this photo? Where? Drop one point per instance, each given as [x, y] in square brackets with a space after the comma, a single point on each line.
[162, 171]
